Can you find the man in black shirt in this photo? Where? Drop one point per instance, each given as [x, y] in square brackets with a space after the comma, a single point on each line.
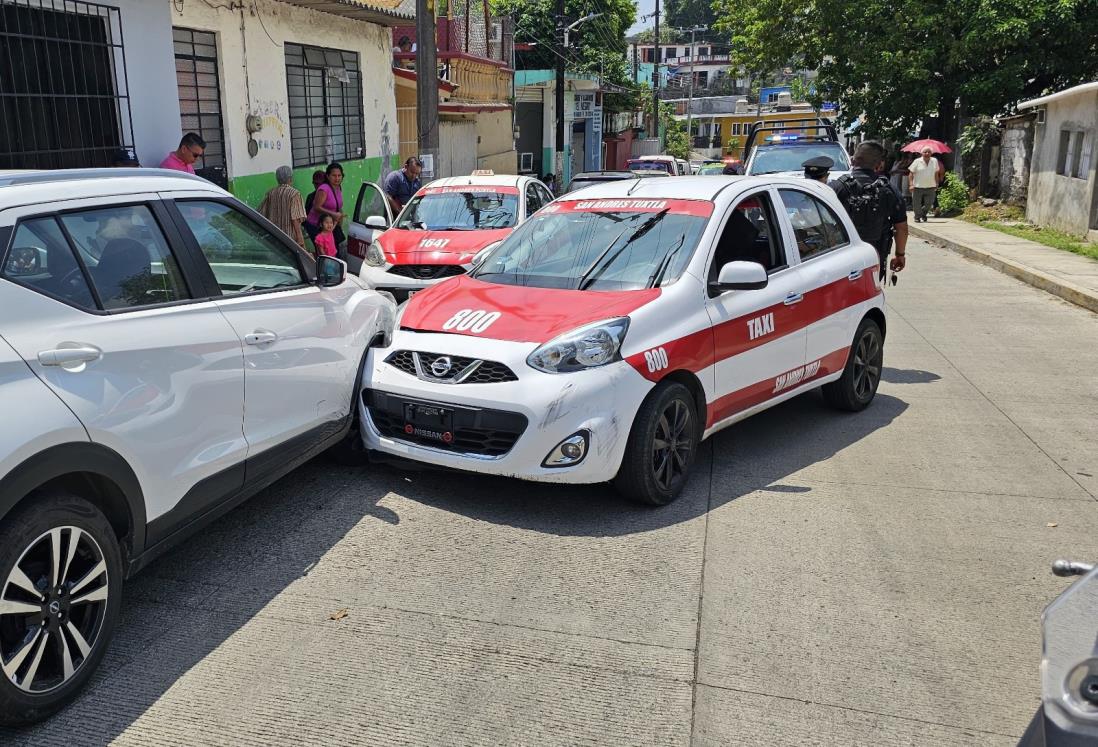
[874, 205]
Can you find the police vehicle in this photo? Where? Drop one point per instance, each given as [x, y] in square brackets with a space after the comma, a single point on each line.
[780, 148]
[620, 326]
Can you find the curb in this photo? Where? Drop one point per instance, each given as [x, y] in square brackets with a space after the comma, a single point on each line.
[1068, 291]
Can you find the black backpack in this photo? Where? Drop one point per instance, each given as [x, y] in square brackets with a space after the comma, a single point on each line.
[867, 207]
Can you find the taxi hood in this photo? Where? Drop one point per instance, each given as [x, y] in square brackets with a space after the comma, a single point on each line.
[411, 247]
[513, 312]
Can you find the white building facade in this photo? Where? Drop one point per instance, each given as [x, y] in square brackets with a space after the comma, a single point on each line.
[265, 83]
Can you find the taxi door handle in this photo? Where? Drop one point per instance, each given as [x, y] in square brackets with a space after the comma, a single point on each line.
[260, 337]
[793, 298]
[854, 275]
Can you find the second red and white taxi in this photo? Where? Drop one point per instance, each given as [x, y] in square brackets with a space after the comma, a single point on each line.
[616, 329]
[445, 225]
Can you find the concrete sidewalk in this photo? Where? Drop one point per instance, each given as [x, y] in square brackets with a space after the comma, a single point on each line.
[1070, 276]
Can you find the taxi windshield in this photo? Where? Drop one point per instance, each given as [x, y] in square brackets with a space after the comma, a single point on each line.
[596, 250]
[770, 159]
[459, 210]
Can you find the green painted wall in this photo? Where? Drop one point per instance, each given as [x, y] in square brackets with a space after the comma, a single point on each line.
[251, 189]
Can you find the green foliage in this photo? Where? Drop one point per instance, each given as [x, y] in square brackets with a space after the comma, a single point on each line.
[688, 13]
[953, 196]
[676, 143]
[903, 61]
[594, 43]
[992, 217]
[976, 134]
[667, 36]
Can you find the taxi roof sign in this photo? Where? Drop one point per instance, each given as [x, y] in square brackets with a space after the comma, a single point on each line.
[483, 172]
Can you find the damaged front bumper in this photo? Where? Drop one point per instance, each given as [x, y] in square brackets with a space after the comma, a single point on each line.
[509, 428]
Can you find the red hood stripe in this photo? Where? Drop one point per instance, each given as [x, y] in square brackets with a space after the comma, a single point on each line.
[524, 314]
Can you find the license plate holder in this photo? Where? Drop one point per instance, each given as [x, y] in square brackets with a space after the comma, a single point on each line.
[430, 422]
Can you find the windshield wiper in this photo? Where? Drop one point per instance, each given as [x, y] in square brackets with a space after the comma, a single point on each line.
[657, 276]
[587, 278]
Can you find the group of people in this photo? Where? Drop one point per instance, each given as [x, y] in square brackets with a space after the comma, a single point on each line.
[320, 215]
[875, 205]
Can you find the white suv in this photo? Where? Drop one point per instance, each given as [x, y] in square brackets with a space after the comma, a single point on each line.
[165, 353]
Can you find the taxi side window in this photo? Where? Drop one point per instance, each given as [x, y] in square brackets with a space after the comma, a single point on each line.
[749, 235]
[815, 227]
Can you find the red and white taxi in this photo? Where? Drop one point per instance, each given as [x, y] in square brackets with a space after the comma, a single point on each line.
[445, 225]
[610, 334]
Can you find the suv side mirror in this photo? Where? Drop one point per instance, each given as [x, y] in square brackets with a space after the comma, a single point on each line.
[376, 221]
[740, 275]
[330, 271]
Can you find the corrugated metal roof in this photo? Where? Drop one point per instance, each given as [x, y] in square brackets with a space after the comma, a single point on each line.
[381, 12]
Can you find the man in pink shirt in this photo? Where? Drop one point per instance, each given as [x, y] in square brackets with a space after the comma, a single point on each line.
[190, 149]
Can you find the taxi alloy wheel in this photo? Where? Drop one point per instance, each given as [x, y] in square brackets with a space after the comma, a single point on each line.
[855, 389]
[60, 596]
[661, 447]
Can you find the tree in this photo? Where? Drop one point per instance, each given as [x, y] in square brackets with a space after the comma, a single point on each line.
[600, 41]
[688, 13]
[906, 62]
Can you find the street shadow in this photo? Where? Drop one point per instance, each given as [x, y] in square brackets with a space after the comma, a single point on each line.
[773, 445]
[908, 376]
[189, 603]
[170, 622]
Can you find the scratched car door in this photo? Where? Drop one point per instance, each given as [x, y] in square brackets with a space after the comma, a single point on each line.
[759, 335]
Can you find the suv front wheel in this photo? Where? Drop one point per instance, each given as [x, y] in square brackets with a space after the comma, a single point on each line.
[60, 595]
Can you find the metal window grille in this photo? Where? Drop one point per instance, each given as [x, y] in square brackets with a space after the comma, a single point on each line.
[325, 95]
[64, 97]
[199, 84]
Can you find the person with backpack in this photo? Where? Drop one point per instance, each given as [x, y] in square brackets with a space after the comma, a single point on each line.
[876, 209]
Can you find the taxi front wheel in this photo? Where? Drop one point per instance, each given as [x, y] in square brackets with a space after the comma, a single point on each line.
[661, 446]
[855, 389]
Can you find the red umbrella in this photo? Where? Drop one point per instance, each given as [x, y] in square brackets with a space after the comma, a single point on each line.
[936, 146]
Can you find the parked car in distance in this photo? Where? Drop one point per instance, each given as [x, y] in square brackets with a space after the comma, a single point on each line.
[711, 168]
[142, 309]
[589, 178]
[620, 326]
[669, 164]
[444, 226]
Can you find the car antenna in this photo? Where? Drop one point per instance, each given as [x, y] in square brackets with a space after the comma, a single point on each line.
[639, 180]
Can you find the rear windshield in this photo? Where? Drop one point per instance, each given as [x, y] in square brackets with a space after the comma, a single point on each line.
[770, 159]
[650, 166]
[600, 245]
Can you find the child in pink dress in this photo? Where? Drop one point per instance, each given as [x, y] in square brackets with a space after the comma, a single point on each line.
[325, 240]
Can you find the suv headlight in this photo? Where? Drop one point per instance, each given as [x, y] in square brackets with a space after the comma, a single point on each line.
[587, 347]
[375, 255]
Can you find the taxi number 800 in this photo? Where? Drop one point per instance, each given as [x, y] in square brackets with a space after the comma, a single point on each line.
[471, 320]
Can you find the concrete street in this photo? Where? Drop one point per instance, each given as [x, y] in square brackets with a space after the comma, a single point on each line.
[827, 578]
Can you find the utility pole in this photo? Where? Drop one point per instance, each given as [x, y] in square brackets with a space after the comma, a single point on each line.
[427, 85]
[656, 76]
[558, 153]
[634, 62]
[690, 96]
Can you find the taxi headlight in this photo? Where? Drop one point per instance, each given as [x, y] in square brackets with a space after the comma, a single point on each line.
[587, 347]
[375, 255]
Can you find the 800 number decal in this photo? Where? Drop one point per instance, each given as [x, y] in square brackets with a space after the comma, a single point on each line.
[471, 320]
[656, 359]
